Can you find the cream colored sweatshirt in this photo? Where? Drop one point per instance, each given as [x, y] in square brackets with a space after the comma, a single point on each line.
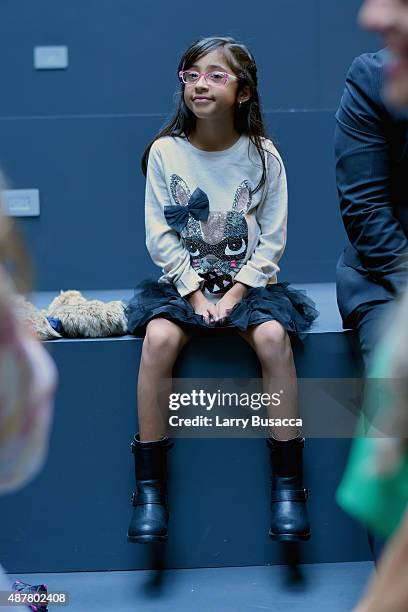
[204, 225]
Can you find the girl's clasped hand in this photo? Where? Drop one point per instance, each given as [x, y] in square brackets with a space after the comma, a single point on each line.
[217, 313]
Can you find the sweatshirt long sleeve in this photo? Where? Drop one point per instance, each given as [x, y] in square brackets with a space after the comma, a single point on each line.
[164, 244]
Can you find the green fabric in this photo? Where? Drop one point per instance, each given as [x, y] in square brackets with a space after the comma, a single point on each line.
[377, 500]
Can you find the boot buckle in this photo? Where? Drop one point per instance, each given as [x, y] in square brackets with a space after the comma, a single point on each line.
[283, 495]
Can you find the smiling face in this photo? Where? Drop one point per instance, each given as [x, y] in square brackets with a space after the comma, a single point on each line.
[207, 100]
[390, 18]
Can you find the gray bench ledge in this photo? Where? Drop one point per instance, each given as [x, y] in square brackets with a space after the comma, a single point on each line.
[323, 294]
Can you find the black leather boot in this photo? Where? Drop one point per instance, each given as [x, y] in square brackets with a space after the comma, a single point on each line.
[150, 513]
[289, 521]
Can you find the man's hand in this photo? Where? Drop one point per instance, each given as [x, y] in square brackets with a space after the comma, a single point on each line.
[202, 306]
[228, 301]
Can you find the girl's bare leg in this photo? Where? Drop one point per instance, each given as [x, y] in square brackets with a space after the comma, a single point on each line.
[272, 345]
[289, 520]
[162, 344]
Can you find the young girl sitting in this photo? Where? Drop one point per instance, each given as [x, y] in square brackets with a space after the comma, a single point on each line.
[216, 216]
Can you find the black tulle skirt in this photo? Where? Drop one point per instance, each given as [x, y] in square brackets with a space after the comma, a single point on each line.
[279, 302]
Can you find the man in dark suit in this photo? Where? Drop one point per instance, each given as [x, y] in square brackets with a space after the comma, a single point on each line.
[371, 144]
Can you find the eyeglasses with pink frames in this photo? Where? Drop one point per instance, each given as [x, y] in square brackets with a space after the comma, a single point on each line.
[214, 77]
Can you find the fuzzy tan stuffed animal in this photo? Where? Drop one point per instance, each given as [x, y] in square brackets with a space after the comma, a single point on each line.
[88, 318]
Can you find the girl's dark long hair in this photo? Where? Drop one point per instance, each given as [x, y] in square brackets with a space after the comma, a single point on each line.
[248, 119]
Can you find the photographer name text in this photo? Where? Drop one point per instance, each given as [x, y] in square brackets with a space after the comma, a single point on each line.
[242, 423]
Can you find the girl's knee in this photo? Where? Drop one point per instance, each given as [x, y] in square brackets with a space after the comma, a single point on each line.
[162, 335]
[272, 338]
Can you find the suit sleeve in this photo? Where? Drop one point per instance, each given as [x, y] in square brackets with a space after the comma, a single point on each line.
[271, 216]
[163, 243]
[363, 171]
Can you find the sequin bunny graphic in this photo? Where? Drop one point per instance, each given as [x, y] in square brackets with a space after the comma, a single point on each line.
[217, 245]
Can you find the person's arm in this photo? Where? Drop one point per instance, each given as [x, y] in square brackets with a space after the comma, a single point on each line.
[164, 243]
[388, 587]
[363, 171]
[271, 216]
